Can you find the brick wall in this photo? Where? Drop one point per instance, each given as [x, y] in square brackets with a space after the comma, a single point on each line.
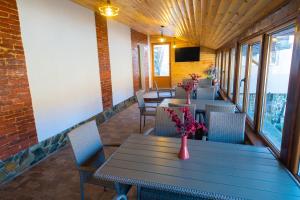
[136, 39]
[104, 63]
[17, 126]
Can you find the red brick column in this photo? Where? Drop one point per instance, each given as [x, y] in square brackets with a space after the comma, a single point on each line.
[136, 39]
[104, 63]
[17, 125]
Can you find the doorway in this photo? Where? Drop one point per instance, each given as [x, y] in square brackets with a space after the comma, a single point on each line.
[161, 65]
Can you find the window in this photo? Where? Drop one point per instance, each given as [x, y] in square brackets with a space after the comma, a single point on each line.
[242, 75]
[231, 73]
[252, 80]
[278, 72]
[161, 60]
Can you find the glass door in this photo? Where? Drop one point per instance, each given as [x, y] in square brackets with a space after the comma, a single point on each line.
[161, 65]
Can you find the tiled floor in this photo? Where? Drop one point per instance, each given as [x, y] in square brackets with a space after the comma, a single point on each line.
[57, 178]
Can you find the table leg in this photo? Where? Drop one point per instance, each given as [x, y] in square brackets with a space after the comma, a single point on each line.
[122, 190]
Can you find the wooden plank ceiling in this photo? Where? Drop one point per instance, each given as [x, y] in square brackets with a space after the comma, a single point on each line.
[209, 23]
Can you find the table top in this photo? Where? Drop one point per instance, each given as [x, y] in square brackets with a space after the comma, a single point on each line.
[216, 170]
[200, 104]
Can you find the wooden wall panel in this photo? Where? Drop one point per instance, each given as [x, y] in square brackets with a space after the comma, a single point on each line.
[181, 70]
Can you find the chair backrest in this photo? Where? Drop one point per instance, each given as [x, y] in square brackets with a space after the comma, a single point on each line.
[218, 108]
[155, 85]
[164, 125]
[204, 82]
[207, 93]
[226, 127]
[191, 106]
[140, 98]
[180, 93]
[85, 141]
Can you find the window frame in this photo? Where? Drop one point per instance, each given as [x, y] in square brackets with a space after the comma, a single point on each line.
[290, 147]
[225, 64]
[241, 108]
[264, 79]
[252, 42]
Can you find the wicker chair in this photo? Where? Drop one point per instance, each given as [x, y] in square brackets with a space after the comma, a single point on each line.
[164, 125]
[146, 109]
[218, 108]
[204, 82]
[191, 106]
[226, 127]
[180, 93]
[89, 156]
[207, 93]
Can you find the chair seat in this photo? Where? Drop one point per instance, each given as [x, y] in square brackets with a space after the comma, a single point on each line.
[152, 105]
[165, 95]
[94, 162]
[149, 112]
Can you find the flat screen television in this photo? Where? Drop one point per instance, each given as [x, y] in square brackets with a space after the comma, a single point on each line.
[187, 54]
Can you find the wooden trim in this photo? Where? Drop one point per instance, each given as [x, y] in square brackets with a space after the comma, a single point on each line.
[221, 68]
[236, 72]
[262, 81]
[291, 131]
[245, 100]
[278, 25]
[254, 138]
[228, 72]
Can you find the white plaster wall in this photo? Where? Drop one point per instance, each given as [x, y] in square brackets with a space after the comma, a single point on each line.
[59, 39]
[120, 53]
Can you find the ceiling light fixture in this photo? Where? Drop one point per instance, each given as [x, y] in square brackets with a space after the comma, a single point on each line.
[174, 44]
[108, 10]
[162, 38]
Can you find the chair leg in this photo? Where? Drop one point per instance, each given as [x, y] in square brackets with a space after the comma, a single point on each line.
[140, 123]
[144, 120]
[82, 189]
[138, 192]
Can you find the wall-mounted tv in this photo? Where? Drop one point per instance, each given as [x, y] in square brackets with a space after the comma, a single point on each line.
[187, 54]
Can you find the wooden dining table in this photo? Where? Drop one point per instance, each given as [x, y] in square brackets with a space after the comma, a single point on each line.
[214, 170]
[200, 104]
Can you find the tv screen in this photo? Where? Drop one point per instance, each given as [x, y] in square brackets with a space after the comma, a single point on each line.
[187, 54]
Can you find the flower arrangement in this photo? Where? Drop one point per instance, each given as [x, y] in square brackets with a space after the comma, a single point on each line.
[194, 76]
[188, 86]
[212, 72]
[187, 126]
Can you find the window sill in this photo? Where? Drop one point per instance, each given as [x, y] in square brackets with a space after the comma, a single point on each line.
[254, 138]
